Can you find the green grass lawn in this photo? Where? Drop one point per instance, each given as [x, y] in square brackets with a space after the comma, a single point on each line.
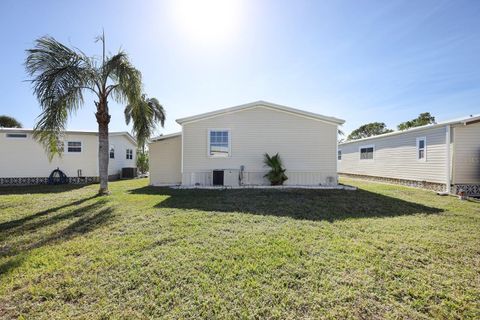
[379, 252]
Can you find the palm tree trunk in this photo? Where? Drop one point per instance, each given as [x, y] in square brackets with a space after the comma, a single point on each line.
[103, 119]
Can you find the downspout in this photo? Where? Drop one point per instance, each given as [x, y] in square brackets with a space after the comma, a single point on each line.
[448, 170]
[336, 157]
[181, 149]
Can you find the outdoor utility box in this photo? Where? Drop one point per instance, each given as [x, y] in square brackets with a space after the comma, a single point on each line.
[226, 177]
[217, 177]
[231, 177]
[129, 173]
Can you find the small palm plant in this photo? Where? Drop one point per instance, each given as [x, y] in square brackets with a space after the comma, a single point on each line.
[276, 175]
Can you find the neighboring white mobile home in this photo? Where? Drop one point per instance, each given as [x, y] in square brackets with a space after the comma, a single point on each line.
[232, 142]
[24, 160]
[442, 157]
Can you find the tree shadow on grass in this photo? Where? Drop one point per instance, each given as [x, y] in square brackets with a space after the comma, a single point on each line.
[307, 204]
[5, 226]
[87, 219]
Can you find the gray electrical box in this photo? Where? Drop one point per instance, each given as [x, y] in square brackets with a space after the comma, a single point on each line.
[231, 177]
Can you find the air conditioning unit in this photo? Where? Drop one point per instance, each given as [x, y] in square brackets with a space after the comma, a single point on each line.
[226, 177]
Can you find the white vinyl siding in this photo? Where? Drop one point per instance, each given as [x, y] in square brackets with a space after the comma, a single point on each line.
[29, 159]
[308, 147]
[396, 157]
[26, 157]
[165, 161]
[121, 143]
[466, 150]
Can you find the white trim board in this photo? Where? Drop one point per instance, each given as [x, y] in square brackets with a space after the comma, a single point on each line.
[261, 104]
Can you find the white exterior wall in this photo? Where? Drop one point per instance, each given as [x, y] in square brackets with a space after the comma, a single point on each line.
[165, 161]
[121, 143]
[306, 146]
[466, 150]
[22, 158]
[396, 157]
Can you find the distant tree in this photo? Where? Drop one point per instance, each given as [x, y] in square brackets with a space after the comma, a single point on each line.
[422, 119]
[9, 122]
[142, 160]
[340, 133]
[368, 130]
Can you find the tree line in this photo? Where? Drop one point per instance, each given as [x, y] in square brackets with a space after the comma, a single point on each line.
[376, 128]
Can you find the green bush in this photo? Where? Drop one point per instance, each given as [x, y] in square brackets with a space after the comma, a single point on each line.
[142, 161]
[276, 175]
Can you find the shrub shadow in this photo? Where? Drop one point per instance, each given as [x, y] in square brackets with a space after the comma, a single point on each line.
[308, 204]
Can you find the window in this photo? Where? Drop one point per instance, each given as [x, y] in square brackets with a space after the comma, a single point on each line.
[17, 135]
[422, 149]
[366, 152]
[339, 155]
[74, 146]
[219, 143]
[112, 152]
[129, 154]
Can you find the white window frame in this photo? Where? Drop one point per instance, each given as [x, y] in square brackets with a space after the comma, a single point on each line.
[126, 154]
[417, 149]
[229, 142]
[365, 147]
[339, 153]
[65, 147]
[16, 133]
[111, 147]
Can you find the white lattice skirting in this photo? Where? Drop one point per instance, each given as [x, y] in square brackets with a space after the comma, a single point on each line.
[469, 189]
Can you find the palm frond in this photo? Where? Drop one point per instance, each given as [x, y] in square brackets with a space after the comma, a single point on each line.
[276, 175]
[60, 75]
[145, 113]
[127, 79]
[158, 110]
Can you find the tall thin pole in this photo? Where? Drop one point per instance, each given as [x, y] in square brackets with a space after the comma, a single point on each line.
[103, 42]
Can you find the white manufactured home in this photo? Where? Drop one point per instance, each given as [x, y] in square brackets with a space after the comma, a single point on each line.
[24, 160]
[227, 147]
[442, 157]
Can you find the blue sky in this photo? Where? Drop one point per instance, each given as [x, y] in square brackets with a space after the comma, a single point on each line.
[361, 61]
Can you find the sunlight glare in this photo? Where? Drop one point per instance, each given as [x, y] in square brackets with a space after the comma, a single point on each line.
[207, 21]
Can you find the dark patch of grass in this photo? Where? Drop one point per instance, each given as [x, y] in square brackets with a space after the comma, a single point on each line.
[380, 252]
[39, 189]
[329, 205]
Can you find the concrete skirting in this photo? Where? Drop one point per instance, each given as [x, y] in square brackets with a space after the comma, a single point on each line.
[438, 187]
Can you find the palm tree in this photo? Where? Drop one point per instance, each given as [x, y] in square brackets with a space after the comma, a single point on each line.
[145, 113]
[62, 75]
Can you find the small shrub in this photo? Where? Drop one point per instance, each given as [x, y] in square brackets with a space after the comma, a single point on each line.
[276, 175]
[142, 161]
